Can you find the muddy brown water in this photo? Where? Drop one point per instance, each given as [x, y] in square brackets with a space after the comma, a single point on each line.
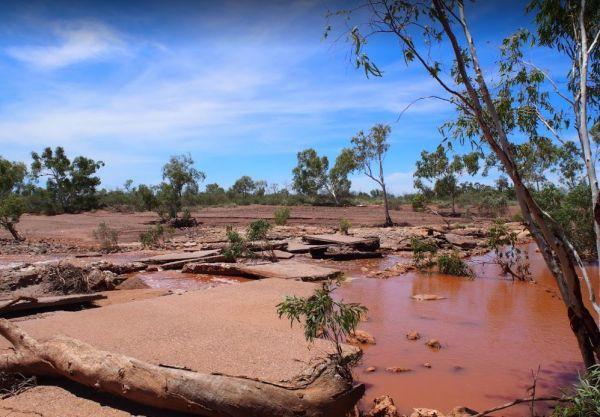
[494, 333]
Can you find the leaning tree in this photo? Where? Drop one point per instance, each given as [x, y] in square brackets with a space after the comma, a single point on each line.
[492, 116]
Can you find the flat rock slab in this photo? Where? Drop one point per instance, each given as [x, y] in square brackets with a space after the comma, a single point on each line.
[285, 270]
[179, 256]
[279, 254]
[296, 247]
[293, 270]
[40, 303]
[346, 240]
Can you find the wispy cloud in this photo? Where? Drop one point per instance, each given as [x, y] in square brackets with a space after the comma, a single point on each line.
[74, 42]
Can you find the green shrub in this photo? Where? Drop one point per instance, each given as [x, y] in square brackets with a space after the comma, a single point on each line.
[419, 202]
[344, 226]
[492, 205]
[512, 259]
[258, 229]
[451, 264]
[518, 217]
[423, 250]
[236, 246]
[155, 236]
[282, 214]
[325, 317]
[586, 401]
[107, 237]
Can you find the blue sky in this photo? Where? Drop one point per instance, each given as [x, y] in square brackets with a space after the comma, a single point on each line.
[241, 86]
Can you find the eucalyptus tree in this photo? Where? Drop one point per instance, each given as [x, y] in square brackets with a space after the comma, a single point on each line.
[12, 206]
[71, 185]
[179, 176]
[491, 116]
[369, 152]
[312, 176]
[443, 171]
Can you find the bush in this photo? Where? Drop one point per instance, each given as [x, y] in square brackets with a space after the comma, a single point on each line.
[344, 226]
[419, 202]
[258, 229]
[492, 205]
[586, 401]
[423, 251]
[155, 236]
[236, 246]
[511, 258]
[107, 237]
[282, 214]
[451, 264]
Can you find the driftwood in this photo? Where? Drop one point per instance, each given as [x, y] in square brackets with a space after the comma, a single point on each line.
[320, 393]
[23, 303]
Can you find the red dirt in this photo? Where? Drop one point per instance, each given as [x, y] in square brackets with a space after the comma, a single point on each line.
[78, 228]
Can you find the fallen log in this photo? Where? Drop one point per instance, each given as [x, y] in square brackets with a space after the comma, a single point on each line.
[21, 304]
[321, 392]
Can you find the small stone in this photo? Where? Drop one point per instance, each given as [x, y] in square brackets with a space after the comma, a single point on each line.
[383, 407]
[361, 337]
[413, 335]
[434, 344]
[398, 369]
[462, 412]
[427, 297]
[427, 365]
[370, 369]
[152, 268]
[426, 412]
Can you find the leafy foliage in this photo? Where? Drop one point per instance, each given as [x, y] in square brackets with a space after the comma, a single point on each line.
[324, 317]
[344, 226]
[71, 185]
[423, 251]
[258, 229]
[281, 215]
[236, 246]
[369, 153]
[437, 168]
[512, 259]
[179, 176]
[452, 264]
[12, 206]
[586, 401]
[155, 236]
[312, 176]
[107, 237]
[419, 202]
[573, 212]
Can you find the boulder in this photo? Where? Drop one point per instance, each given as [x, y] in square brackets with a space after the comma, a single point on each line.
[361, 337]
[383, 407]
[413, 335]
[398, 369]
[426, 412]
[462, 412]
[427, 297]
[434, 344]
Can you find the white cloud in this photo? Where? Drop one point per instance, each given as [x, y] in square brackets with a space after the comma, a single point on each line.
[395, 182]
[76, 42]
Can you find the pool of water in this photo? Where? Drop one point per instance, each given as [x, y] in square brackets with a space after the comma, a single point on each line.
[175, 280]
[494, 333]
